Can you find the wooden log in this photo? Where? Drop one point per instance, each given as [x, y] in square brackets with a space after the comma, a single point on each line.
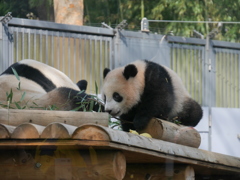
[103, 164]
[15, 117]
[159, 171]
[6, 131]
[171, 132]
[58, 131]
[27, 131]
[90, 132]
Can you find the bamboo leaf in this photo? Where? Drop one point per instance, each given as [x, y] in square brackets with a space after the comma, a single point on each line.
[16, 74]
[19, 86]
[10, 96]
[91, 105]
[17, 105]
[23, 96]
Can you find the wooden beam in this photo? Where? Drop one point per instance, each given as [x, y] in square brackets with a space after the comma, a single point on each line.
[162, 171]
[171, 132]
[203, 162]
[15, 117]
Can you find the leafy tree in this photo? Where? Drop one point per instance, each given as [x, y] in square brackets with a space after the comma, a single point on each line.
[18, 8]
[113, 12]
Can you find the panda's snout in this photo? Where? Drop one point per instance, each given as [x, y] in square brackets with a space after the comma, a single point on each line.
[112, 112]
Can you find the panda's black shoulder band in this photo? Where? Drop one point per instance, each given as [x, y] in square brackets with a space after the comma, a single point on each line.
[31, 73]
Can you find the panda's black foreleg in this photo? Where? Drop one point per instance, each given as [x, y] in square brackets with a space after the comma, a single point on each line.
[126, 126]
[148, 111]
[141, 121]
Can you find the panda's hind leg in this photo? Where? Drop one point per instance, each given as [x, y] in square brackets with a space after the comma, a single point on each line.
[191, 113]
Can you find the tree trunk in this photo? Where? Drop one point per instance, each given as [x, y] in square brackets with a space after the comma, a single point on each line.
[68, 11]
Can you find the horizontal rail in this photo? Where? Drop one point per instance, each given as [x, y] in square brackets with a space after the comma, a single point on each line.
[60, 27]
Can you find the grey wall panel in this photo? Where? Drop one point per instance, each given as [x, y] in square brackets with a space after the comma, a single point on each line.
[226, 131]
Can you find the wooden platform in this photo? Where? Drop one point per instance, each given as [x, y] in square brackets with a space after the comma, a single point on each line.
[93, 151]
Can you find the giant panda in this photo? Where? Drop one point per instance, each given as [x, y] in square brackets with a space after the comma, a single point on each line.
[142, 90]
[42, 86]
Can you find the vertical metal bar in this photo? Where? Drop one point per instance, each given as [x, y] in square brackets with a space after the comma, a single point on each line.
[22, 48]
[191, 70]
[40, 46]
[203, 77]
[29, 43]
[226, 79]
[237, 80]
[17, 41]
[102, 64]
[234, 78]
[11, 47]
[95, 63]
[34, 44]
[85, 56]
[80, 56]
[74, 59]
[238, 87]
[230, 78]
[68, 53]
[58, 50]
[194, 69]
[90, 62]
[111, 52]
[63, 52]
[223, 78]
[53, 46]
[46, 47]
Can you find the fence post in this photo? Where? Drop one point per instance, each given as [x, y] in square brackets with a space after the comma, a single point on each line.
[2, 65]
[6, 38]
[209, 80]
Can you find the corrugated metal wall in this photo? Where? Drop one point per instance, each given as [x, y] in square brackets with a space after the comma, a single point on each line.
[227, 78]
[187, 61]
[79, 55]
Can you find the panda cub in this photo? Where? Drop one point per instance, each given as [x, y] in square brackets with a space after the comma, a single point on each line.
[142, 90]
[43, 86]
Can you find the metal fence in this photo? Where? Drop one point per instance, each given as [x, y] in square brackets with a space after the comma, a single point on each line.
[210, 74]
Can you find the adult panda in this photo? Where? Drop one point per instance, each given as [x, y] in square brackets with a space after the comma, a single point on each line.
[43, 86]
[142, 90]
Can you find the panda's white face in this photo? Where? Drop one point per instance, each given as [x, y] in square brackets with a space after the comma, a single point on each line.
[121, 94]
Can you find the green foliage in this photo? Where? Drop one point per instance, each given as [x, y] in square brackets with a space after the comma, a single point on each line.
[115, 124]
[114, 11]
[18, 8]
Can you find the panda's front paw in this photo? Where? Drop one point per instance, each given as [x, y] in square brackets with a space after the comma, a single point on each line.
[140, 123]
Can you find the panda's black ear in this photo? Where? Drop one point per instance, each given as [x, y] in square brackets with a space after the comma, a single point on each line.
[82, 84]
[105, 72]
[130, 71]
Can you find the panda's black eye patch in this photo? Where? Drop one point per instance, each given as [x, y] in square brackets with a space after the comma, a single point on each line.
[117, 97]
